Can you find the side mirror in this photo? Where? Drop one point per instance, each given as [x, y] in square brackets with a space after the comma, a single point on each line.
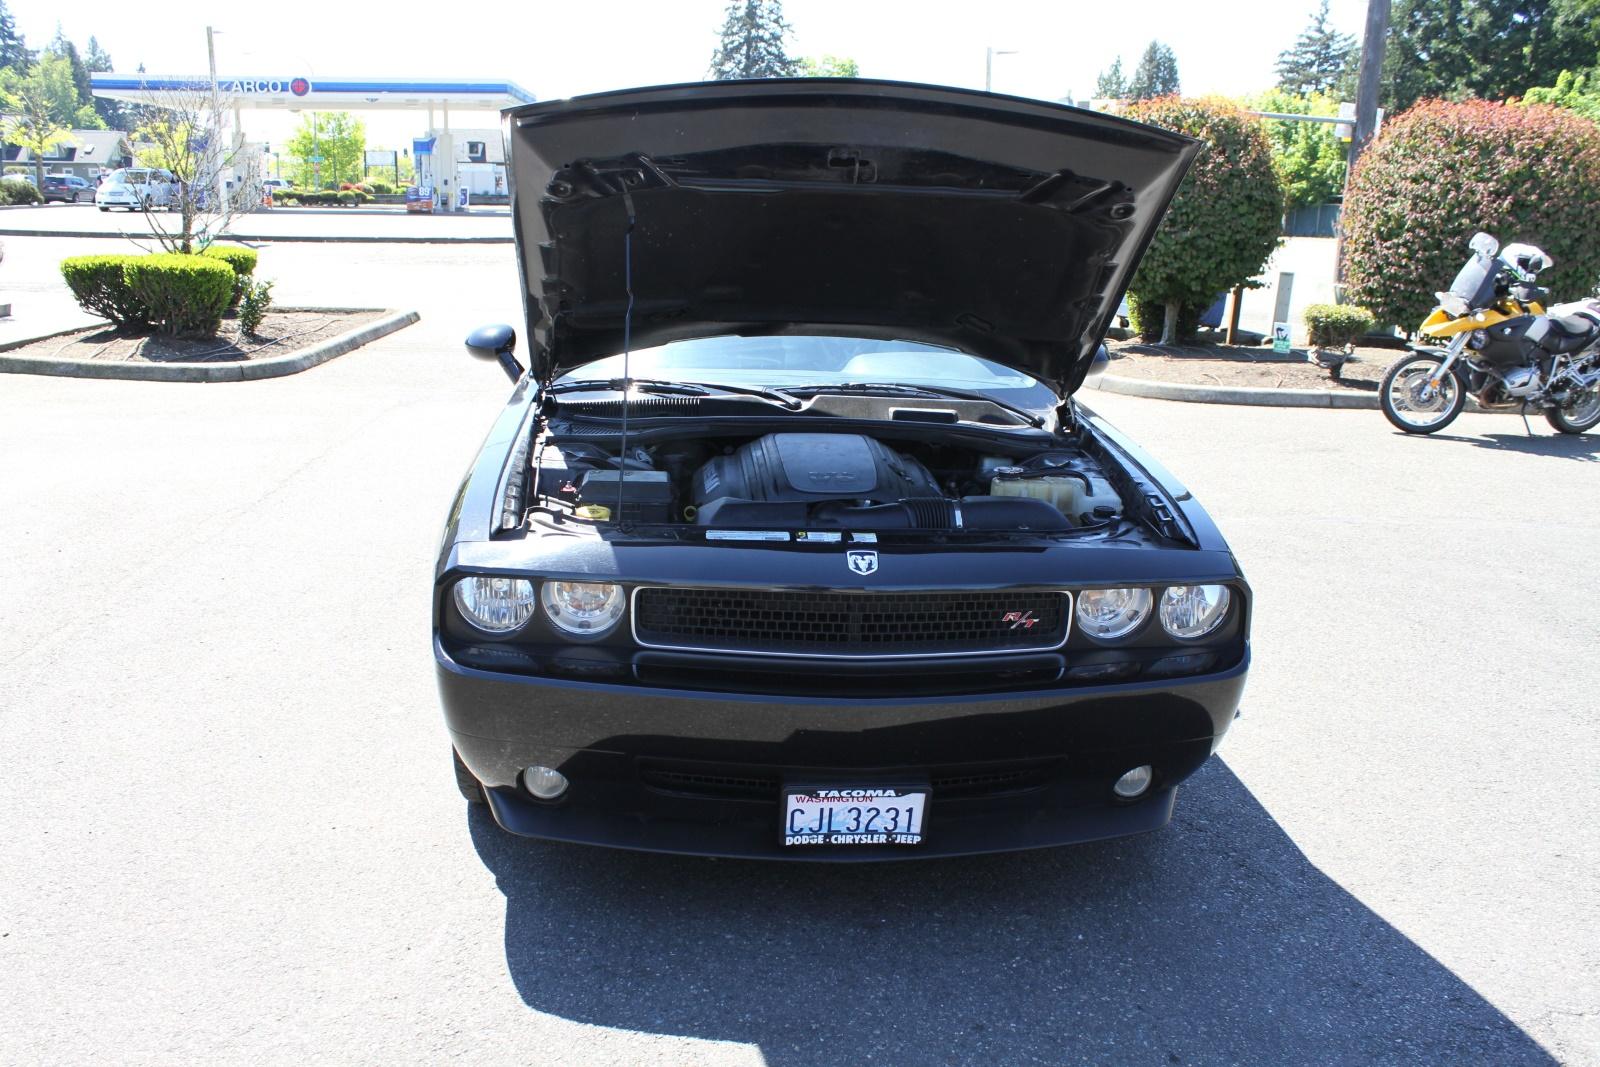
[1483, 244]
[496, 342]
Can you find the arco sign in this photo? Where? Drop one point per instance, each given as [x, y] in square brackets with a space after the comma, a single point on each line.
[267, 86]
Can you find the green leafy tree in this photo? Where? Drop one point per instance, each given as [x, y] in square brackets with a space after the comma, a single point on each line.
[338, 137]
[1573, 91]
[1308, 156]
[1223, 223]
[1322, 60]
[32, 122]
[1444, 170]
[51, 81]
[1492, 49]
[84, 114]
[751, 42]
[1156, 74]
[1112, 84]
[14, 54]
[828, 67]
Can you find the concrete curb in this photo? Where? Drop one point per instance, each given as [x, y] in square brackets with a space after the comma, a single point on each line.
[1218, 394]
[244, 371]
[413, 239]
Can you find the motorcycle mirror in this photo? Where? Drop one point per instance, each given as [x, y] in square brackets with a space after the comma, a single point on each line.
[1483, 244]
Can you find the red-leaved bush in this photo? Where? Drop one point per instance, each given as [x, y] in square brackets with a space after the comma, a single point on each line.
[1441, 172]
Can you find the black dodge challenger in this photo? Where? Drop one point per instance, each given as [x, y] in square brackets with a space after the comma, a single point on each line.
[791, 540]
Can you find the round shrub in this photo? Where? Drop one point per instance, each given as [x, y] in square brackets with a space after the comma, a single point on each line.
[1224, 222]
[100, 286]
[1441, 172]
[243, 262]
[1336, 325]
[184, 294]
[15, 192]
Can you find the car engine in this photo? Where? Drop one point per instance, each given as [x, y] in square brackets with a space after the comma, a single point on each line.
[820, 481]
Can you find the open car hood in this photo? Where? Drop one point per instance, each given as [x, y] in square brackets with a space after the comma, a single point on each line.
[1003, 227]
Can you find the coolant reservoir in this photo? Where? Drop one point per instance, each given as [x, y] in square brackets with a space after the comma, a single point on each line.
[1074, 495]
[1064, 492]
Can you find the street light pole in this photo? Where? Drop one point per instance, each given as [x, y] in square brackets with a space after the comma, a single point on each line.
[218, 187]
[988, 65]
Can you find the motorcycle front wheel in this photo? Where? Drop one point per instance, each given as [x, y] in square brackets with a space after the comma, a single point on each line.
[1578, 414]
[1411, 404]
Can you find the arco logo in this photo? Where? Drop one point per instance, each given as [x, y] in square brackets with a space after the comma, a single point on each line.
[299, 87]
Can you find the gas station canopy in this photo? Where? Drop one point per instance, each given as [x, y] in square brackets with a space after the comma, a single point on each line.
[295, 92]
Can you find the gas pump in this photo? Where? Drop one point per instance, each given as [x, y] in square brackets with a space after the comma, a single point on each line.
[434, 158]
[420, 196]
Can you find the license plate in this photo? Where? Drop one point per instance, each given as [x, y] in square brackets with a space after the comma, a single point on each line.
[845, 815]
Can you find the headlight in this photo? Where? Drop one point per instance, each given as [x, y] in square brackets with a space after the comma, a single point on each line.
[1190, 611]
[498, 605]
[583, 609]
[1111, 613]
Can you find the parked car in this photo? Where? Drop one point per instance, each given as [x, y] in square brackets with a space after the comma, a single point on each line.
[276, 184]
[792, 538]
[134, 188]
[18, 177]
[67, 188]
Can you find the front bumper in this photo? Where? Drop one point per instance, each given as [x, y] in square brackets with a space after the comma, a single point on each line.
[677, 770]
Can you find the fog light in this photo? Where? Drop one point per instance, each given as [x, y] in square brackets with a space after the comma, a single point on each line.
[547, 783]
[1134, 783]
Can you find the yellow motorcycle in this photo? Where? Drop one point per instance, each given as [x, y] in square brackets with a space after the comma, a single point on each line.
[1501, 346]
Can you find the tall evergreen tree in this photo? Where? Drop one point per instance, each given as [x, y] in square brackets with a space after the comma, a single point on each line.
[14, 52]
[1111, 84]
[752, 42]
[1321, 60]
[98, 61]
[1156, 75]
[68, 51]
[1494, 49]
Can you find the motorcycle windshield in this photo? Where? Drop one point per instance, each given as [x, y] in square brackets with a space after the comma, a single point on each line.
[1475, 282]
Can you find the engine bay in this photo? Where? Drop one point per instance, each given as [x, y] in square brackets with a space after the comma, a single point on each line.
[825, 481]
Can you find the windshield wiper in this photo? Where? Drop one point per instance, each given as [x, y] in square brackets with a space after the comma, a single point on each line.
[666, 388]
[927, 391]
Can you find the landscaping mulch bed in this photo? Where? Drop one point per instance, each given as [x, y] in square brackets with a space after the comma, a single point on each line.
[281, 333]
[1252, 367]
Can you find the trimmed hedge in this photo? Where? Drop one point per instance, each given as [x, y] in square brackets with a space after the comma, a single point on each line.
[347, 198]
[1336, 325]
[100, 288]
[1441, 172]
[243, 262]
[184, 294]
[1224, 222]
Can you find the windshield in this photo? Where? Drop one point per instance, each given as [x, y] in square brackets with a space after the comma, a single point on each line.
[1475, 282]
[787, 362]
[129, 177]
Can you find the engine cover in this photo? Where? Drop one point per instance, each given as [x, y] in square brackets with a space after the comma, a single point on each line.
[809, 467]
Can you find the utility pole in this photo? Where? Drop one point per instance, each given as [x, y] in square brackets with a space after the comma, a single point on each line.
[988, 65]
[1373, 40]
[218, 187]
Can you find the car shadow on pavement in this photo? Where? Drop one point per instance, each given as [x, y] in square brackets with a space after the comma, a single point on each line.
[1212, 940]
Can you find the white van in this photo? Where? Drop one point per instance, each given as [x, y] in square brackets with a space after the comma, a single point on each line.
[134, 188]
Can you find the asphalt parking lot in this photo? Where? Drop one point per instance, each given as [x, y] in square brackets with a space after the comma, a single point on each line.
[231, 832]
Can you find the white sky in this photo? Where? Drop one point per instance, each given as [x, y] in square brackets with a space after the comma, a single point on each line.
[563, 49]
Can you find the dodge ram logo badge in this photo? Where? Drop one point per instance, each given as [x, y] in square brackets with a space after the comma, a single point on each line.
[862, 560]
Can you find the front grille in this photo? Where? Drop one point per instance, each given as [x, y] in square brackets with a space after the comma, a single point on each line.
[786, 623]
